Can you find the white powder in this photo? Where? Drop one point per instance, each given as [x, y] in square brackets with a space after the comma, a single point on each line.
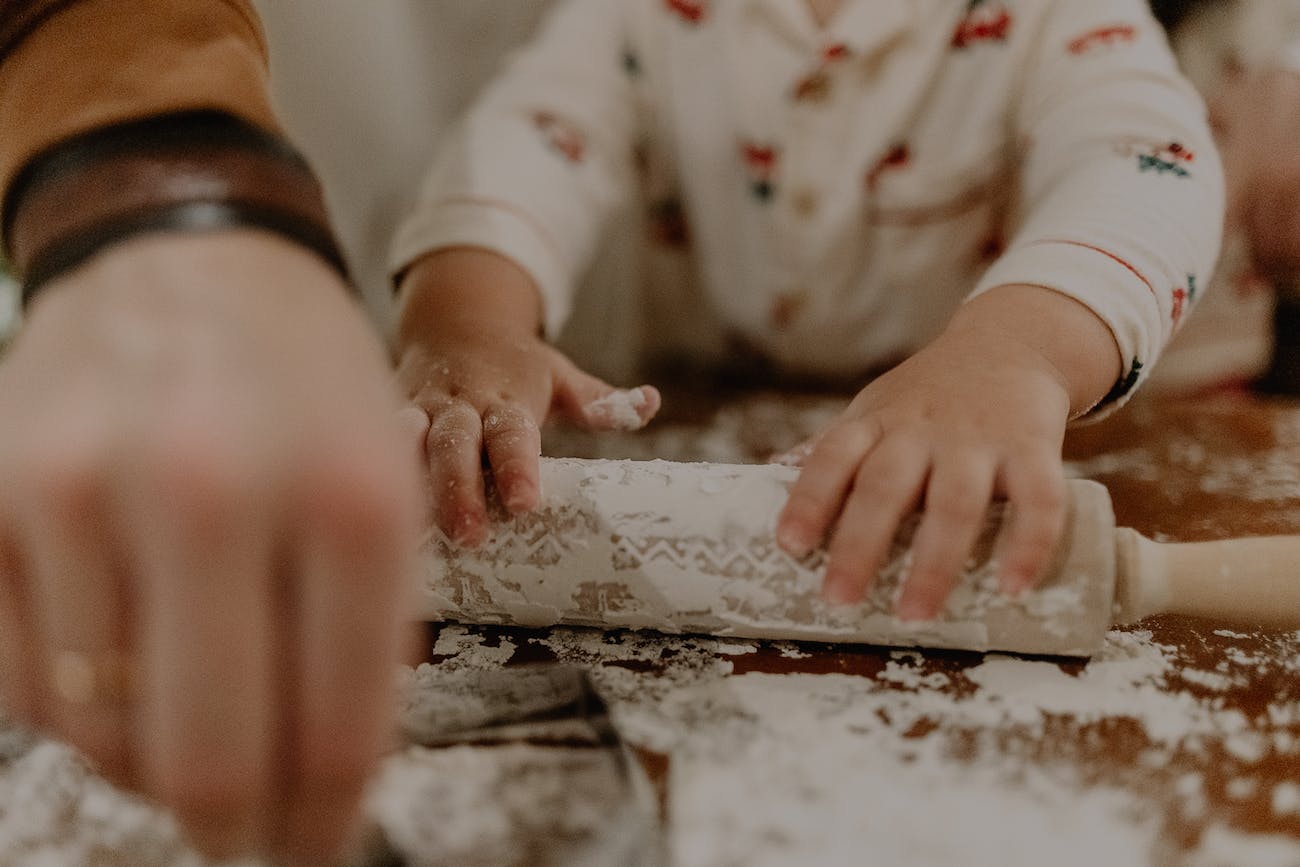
[54, 812]
[908, 767]
[773, 769]
[1224, 847]
[621, 410]
[1211, 680]
[749, 431]
[1286, 799]
[1136, 463]
[1248, 747]
[1241, 788]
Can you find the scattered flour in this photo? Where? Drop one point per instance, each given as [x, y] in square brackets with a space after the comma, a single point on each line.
[1286, 799]
[1223, 847]
[1211, 680]
[54, 812]
[1241, 788]
[620, 409]
[933, 761]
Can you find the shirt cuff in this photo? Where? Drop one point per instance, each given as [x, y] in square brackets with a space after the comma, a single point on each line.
[1105, 284]
[501, 228]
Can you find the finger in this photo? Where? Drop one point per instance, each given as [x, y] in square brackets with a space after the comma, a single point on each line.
[20, 658]
[1036, 491]
[514, 443]
[887, 487]
[455, 448]
[597, 405]
[414, 423]
[352, 598]
[819, 493]
[78, 598]
[207, 620]
[956, 508]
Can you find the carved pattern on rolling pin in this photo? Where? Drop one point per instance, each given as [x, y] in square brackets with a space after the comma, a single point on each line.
[690, 548]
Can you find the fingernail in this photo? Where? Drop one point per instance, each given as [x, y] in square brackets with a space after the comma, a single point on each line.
[520, 499]
[840, 590]
[913, 610]
[468, 531]
[793, 539]
[1015, 584]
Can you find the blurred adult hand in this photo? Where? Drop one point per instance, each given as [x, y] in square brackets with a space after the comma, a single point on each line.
[1257, 118]
[207, 516]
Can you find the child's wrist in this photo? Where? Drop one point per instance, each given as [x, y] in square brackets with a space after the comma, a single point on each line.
[1048, 330]
[468, 291]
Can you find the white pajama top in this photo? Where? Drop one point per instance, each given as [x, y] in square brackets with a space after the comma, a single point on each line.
[843, 189]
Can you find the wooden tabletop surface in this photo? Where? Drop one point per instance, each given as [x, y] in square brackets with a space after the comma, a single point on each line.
[1178, 744]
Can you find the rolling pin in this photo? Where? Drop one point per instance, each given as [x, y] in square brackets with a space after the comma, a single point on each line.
[690, 548]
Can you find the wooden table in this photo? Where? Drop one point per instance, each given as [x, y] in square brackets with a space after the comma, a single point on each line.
[1179, 744]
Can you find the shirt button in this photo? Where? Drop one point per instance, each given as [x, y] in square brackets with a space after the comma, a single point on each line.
[804, 203]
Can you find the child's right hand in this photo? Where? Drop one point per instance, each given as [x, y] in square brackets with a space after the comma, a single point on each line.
[472, 359]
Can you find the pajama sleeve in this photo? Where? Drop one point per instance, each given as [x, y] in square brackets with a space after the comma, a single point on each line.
[536, 168]
[1121, 191]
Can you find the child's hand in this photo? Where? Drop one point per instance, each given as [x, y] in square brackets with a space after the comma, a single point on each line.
[488, 382]
[976, 415]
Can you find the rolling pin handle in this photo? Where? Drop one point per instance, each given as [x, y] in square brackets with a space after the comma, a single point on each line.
[1252, 583]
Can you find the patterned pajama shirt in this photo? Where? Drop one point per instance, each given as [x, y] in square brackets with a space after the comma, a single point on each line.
[839, 191]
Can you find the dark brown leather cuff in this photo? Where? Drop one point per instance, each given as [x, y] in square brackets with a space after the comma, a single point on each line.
[183, 172]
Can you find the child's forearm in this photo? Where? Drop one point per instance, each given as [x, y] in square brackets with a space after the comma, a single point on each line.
[466, 288]
[1077, 346]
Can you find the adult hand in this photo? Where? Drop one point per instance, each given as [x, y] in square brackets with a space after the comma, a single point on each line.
[206, 525]
[473, 360]
[977, 415]
[1257, 118]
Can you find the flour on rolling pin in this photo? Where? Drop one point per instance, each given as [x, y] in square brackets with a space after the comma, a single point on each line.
[690, 548]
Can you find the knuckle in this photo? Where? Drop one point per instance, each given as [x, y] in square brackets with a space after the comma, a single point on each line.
[202, 481]
[357, 497]
[453, 424]
[849, 437]
[509, 425]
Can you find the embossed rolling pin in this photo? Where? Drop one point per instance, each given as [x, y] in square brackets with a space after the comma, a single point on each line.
[689, 548]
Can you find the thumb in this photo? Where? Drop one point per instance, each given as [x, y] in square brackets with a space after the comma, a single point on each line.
[594, 404]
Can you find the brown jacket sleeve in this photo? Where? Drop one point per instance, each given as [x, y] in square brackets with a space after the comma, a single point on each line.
[67, 66]
[107, 112]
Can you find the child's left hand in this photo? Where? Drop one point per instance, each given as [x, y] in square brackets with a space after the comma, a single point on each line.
[977, 414]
